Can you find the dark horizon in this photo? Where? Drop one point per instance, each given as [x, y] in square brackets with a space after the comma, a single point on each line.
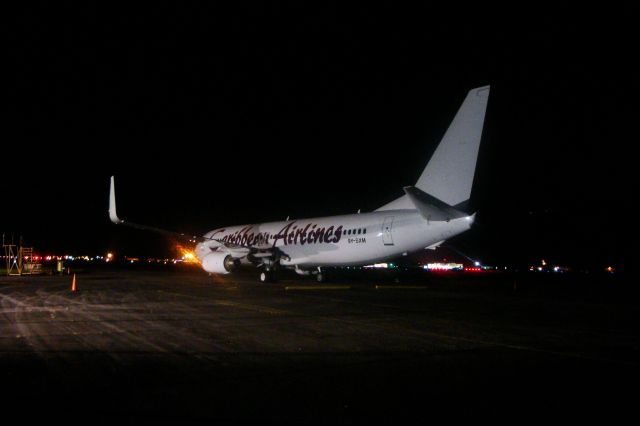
[293, 111]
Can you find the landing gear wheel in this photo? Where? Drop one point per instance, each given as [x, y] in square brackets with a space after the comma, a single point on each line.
[320, 277]
[266, 277]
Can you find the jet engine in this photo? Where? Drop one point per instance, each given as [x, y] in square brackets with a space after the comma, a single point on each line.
[219, 263]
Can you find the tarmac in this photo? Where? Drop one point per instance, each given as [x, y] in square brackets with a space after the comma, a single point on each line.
[180, 347]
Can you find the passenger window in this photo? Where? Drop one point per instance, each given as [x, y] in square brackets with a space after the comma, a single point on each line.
[359, 231]
[364, 231]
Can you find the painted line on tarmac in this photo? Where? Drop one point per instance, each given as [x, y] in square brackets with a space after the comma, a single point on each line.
[317, 287]
[254, 308]
[401, 287]
[16, 302]
[189, 296]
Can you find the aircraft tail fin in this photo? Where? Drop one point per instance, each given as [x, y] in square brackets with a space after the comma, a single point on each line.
[449, 174]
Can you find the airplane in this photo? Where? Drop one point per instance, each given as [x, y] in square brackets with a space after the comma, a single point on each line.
[428, 213]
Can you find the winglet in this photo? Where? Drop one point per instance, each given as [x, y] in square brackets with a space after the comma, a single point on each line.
[112, 205]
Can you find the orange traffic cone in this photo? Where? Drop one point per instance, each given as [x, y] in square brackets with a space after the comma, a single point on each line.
[73, 283]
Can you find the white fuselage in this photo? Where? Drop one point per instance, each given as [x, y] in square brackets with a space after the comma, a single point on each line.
[356, 239]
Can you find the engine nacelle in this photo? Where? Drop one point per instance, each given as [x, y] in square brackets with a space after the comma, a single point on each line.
[219, 263]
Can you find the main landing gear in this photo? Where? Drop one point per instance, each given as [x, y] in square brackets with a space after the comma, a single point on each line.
[268, 275]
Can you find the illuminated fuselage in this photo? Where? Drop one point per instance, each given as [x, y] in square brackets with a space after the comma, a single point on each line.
[338, 240]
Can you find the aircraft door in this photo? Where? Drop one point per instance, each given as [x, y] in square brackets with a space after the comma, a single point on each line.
[387, 237]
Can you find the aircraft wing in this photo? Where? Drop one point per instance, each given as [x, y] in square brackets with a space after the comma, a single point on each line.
[234, 249]
[113, 215]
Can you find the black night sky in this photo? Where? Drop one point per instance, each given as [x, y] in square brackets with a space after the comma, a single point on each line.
[212, 116]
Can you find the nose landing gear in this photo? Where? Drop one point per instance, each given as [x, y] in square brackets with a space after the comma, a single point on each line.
[267, 275]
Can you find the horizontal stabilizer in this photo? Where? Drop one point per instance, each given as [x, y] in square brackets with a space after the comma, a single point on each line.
[435, 245]
[430, 207]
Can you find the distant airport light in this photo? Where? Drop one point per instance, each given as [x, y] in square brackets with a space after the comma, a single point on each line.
[378, 265]
[610, 269]
[437, 266]
[556, 268]
[476, 263]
